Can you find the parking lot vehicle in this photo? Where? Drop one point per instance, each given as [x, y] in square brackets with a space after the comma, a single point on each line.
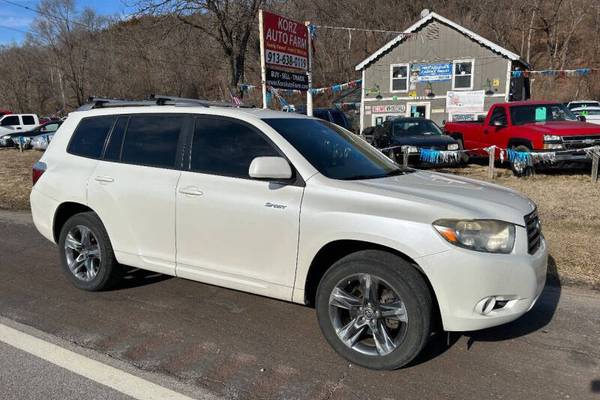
[591, 114]
[10, 123]
[329, 114]
[415, 133]
[291, 207]
[528, 126]
[11, 139]
[583, 103]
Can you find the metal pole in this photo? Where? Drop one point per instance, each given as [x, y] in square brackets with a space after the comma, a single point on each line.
[263, 71]
[309, 99]
[405, 156]
[595, 162]
[492, 159]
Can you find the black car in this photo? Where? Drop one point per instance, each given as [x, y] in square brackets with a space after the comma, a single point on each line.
[416, 133]
[9, 140]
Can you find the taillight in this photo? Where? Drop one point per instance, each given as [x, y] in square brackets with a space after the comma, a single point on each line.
[38, 169]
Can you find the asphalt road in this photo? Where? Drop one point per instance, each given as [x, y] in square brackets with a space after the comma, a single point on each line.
[242, 346]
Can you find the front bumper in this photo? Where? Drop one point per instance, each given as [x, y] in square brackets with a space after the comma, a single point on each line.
[568, 155]
[463, 279]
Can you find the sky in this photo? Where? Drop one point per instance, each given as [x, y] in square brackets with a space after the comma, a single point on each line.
[15, 20]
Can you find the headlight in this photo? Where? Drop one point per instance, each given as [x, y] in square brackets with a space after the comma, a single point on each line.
[6, 137]
[552, 138]
[487, 235]
[453, 146]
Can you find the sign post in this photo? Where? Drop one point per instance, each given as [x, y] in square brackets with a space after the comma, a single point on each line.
[309, 99]
[285, 54]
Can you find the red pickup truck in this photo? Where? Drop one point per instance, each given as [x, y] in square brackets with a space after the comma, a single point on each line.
[528, 126]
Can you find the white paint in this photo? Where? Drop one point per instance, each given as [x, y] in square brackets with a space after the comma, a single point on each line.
[362, 102]
[106, 375]
[426, 19]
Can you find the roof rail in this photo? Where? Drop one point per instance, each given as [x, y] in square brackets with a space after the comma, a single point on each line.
[153, 100]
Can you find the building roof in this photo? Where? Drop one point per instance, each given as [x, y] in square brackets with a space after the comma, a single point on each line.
[431, 17]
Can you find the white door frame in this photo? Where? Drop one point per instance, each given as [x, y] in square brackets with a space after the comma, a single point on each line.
[427, 105]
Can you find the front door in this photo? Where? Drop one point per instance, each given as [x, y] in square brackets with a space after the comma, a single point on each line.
[232, 230]
[418, 109]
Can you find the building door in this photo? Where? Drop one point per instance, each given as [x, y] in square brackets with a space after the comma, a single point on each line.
[418, 109]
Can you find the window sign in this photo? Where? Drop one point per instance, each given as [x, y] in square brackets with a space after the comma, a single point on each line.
[540, 113]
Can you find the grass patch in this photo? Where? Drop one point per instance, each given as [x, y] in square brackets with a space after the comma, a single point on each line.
[568, 203]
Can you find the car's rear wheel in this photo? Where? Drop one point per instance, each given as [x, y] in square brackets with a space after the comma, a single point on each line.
[87, 255]
[375, 309]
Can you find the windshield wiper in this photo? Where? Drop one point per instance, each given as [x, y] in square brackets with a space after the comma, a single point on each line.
[395, 172]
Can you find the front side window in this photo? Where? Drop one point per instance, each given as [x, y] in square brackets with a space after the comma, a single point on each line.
[90, 135]
[463, 74]
[399, 78]
[28, 120]
[499, 117]
[152, 140]
[10, 120]
[226, 147]
[334, 151]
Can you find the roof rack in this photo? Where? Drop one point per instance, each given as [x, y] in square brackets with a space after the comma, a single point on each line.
[153, 100]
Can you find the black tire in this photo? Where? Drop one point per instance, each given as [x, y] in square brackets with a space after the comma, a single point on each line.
[464, 157]
[402, 278]
[109, 271]
[520, 170]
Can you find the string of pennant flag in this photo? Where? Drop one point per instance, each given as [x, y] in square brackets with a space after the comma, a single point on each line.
[332, 89]
[555, 72]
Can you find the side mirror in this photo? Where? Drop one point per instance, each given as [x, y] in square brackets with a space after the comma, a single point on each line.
[273, 168]
[581, 118]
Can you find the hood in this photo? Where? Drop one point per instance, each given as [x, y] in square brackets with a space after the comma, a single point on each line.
[453, 197]
[563, 128]
[423, 140]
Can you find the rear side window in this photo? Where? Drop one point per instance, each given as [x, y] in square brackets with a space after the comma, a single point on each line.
[28, 120]
[115, 142]
[152, 140]
[227, 147]
[90, 135]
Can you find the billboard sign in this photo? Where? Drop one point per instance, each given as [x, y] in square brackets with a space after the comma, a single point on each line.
[285, 42]
[286, 80]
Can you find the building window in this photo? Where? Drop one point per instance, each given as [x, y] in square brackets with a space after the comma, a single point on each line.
[399, 78]
[462, 77]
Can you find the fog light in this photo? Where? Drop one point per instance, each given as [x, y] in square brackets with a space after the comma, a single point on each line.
[486, 305]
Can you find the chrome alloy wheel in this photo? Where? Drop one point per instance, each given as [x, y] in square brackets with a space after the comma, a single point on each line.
[83, 253]
[367, 314]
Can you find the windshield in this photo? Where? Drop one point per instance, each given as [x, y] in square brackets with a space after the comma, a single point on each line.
[334, 151]
[540, 113]
[587, 112]
[415, 128]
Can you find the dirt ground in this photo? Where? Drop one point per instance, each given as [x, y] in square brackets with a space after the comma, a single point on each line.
[569, 207]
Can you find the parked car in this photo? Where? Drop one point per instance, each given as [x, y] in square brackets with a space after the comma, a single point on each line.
[325, 220]
[12, 139]
[583, 103]
[528, 126]
[591, 114]
[415, 133]
[10, 123]
[329, 114]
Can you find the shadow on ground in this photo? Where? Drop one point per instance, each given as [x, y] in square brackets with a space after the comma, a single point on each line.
[135, 277]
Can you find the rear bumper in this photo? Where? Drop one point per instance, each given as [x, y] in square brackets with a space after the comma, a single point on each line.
[462, 281]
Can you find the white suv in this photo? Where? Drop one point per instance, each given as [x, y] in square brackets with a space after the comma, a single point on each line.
[293, 208]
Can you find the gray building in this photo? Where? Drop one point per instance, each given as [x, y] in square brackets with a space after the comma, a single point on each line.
[440, 70]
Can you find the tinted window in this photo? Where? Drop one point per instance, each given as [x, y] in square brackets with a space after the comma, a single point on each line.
[10, 120]
[334, 151]
[152, 140]
[90, 135]
[227, 147]
[28, 120]
[338, 118]
[115, 142]
[499, 115]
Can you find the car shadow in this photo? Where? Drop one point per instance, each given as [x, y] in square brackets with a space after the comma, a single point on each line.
[537, 318]
[135, 277]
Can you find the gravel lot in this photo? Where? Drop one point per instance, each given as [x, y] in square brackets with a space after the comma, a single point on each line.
[568, 205]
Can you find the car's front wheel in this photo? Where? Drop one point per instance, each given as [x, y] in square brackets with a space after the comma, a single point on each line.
[86, 253]
[375, 309]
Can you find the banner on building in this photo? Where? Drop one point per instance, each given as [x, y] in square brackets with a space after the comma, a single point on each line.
[431, 72]
[460, 102]
[392, 108]
[286, 80]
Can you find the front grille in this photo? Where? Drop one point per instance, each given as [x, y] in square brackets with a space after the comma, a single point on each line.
[534, 232]
[581, 141]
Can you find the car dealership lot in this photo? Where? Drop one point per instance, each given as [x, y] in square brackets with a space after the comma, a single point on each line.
[238, 345]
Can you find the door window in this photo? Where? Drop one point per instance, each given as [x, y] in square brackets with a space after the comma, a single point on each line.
[152, 140]
[115, 142]
[499, 116]
[227, 147]
[10, 120]
[28, 120]
[89, 136]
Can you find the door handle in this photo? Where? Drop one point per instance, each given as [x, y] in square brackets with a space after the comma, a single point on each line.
[191, 191]
[106, 179]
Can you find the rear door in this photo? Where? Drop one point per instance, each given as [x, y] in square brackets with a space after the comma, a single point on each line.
[133, 188]
[232, 230]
